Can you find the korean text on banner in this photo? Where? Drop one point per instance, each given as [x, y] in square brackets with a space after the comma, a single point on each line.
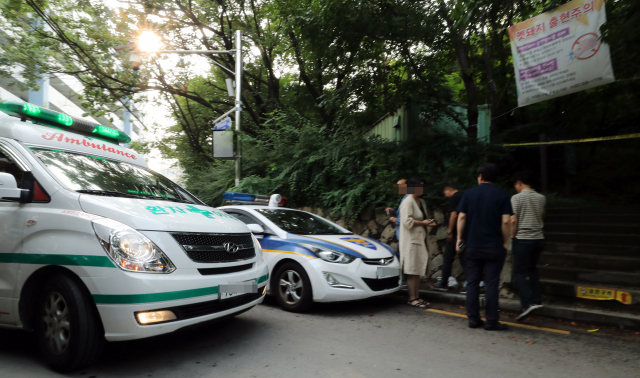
[560, 52]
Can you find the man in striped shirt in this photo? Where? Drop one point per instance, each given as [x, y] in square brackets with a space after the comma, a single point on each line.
[527, 241]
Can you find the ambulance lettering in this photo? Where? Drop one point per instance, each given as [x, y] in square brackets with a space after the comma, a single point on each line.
[86, 143]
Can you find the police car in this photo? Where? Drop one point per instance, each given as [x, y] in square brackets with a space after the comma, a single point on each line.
[95, 245]
[312, 259]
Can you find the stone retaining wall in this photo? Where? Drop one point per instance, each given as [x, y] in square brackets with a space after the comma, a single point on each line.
[375, 224]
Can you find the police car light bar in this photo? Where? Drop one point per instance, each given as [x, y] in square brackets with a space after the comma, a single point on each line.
[253, 199]
[48, 117]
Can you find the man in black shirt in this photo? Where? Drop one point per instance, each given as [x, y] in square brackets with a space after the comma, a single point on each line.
[451, 192]
[484, 219]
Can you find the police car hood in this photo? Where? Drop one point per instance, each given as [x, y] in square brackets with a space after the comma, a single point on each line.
[354, 245]
[160, 215]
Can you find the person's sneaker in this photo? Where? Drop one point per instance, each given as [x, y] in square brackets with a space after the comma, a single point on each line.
[464, 288]
[525, 312]
[453, 283]
[496, 327]
[476, 324]
[438, 285]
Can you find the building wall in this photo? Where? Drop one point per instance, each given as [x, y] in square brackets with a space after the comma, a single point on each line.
[386, 129]
[62, 94]
[410, 120]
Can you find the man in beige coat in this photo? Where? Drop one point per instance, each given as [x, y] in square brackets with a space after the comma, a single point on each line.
[414, 256]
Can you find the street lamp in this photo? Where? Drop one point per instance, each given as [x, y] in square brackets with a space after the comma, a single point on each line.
[150, 42]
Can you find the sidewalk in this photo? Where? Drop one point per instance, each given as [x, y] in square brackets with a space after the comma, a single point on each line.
[568, 311]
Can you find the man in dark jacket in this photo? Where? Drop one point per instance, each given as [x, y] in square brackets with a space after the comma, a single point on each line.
[484, 218]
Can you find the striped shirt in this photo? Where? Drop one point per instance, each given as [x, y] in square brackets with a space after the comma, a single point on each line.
[528, 206]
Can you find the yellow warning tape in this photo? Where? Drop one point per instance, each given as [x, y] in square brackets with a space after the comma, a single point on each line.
[615, 137]
[509, 323]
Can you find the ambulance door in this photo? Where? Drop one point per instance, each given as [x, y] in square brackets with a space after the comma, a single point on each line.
[11, 234]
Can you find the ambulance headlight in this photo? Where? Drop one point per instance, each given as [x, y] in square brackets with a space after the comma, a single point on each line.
[129, 249]
[328, 254]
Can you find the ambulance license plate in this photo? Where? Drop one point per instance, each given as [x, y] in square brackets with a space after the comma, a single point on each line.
[387, 271]
[233, 289]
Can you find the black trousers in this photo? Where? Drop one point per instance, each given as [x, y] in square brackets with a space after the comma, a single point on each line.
[526, 254]
[487, 261]
[447, 262]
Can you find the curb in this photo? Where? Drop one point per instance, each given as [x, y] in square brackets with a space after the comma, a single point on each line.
[555, 311]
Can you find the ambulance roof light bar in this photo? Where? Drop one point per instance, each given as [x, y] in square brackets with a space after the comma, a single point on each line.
[254, 199]
[48, 117]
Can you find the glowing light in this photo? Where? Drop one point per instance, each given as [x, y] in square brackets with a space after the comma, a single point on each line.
[65, 119]
[149, 41]
[31, 109]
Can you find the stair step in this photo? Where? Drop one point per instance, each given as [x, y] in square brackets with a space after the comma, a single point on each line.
[594, 249]
[568, 289]
[591, 276]
[593, 218]
[593, 238]
[586, 261]
[627, 210]
[599, 228]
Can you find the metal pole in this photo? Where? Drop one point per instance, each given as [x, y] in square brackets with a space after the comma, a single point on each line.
[238, 101]
[543, 166]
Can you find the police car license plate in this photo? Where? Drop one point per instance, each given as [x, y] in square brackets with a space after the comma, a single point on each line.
[233, 289]
[387, 271]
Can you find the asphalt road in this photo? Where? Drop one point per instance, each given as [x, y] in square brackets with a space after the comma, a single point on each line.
[375, 338]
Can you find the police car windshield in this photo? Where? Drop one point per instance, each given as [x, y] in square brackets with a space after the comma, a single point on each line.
[103, 177]
[301, 222]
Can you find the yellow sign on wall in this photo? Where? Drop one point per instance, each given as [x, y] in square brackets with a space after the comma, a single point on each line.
[603, 294]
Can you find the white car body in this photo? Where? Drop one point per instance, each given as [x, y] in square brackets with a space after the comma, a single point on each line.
[280, 246]
[58, 235]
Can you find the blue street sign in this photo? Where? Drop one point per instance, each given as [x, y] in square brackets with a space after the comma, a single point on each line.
[225, 124]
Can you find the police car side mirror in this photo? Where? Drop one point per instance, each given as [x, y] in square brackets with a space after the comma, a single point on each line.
[256, 229]
[9, 188]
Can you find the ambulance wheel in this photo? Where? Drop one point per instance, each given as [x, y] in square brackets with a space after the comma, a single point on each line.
[292, 288]
[68, 327]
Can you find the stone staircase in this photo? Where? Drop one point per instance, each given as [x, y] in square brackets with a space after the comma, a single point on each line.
[597, 247]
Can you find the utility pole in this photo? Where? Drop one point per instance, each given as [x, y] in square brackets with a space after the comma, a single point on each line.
[238, 78]
[238, 102]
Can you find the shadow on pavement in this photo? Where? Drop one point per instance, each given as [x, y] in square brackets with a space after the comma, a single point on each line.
[136, 357]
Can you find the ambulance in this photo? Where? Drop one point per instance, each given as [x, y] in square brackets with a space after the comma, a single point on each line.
[95, 246]
[311, 259]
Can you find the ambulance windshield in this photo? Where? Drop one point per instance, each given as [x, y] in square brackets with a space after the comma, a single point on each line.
[301, 222]
[103, 177]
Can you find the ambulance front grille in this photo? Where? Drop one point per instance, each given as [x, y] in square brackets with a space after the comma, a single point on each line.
[211, 248]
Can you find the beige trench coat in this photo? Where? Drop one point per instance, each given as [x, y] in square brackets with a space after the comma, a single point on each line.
[414, 256]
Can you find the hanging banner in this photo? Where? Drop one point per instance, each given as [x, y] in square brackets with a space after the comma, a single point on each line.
[560, 52]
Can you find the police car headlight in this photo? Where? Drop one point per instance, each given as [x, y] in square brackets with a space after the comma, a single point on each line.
[328, 254]
[129, 249]
[258, 247]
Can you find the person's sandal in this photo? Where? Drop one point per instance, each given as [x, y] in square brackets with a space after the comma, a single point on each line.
[417, 303]
[425, 302]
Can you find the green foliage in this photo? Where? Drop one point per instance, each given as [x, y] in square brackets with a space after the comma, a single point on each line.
[344, 170]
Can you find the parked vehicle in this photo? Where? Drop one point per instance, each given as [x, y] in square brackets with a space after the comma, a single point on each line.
[97, 246]
[312, 259]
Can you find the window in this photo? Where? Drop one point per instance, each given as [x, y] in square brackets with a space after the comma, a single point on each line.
[7, 165]
[301, 222]
[243, 218]
[100, 176]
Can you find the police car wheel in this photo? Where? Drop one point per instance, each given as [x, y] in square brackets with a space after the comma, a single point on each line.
[293, 288]
[68, 327]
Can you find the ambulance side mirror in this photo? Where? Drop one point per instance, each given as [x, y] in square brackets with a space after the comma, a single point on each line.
[9, 188]
[256, 229]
